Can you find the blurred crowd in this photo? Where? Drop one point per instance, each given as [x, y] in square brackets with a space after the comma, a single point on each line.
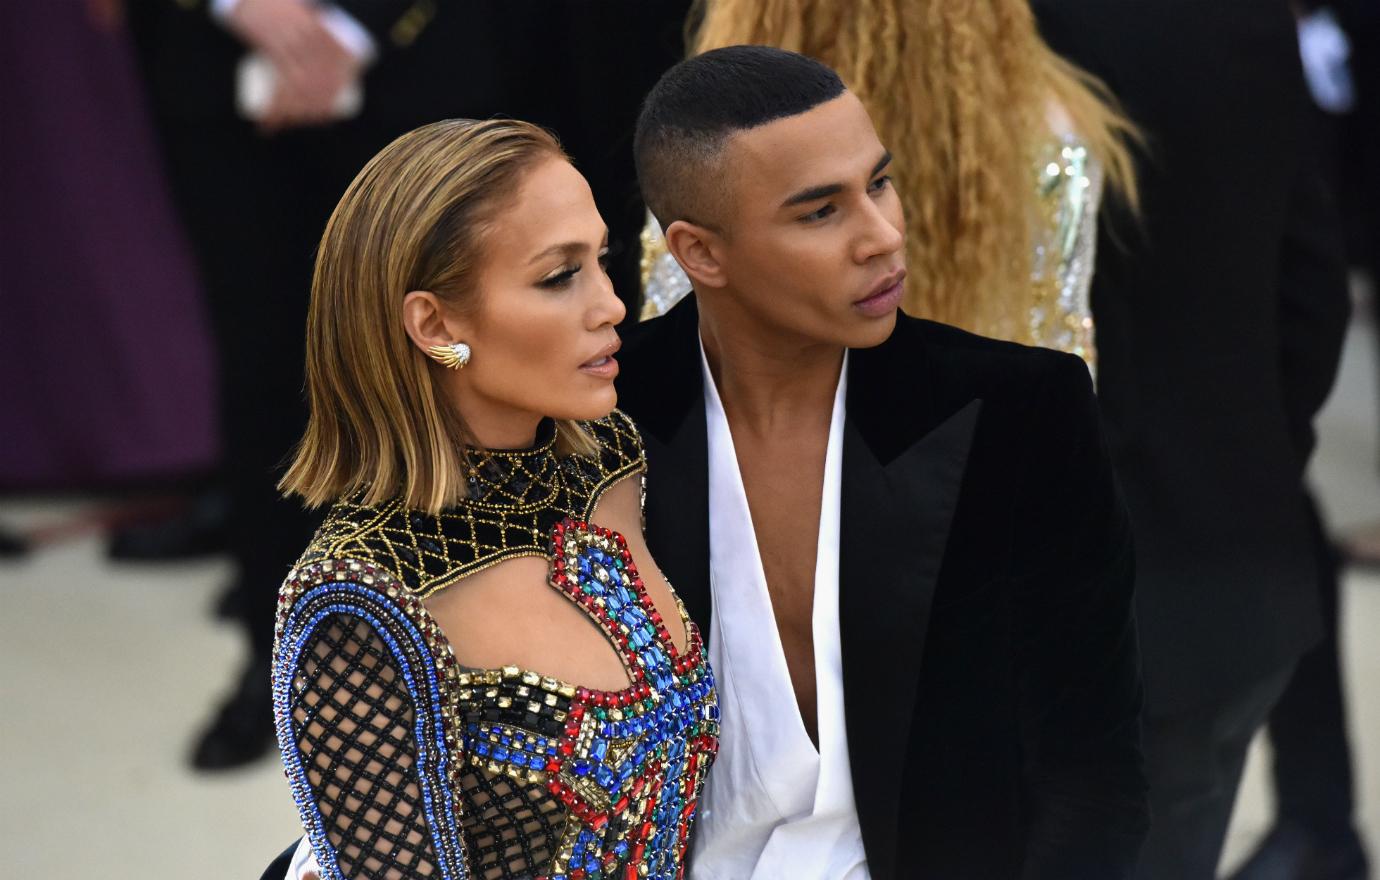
[171, 164]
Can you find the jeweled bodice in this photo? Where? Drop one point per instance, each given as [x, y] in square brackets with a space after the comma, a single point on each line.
[498, 773]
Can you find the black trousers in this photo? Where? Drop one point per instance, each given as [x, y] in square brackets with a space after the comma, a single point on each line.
[1312, 758]
[1194, 762]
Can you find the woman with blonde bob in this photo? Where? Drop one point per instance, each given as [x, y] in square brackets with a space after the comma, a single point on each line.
[444, 706]
[1001, 147]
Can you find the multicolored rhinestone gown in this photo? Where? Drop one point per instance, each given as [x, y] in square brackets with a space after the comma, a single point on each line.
[405, 764]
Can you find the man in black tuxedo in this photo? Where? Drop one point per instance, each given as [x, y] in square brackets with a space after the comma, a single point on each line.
[982, 634]
[1220, 313]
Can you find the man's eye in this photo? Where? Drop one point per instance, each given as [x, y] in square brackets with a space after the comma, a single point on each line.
[880, 183]
[815, 216]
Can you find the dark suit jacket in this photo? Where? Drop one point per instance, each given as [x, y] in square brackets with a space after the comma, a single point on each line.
[989, 654]
[1219, 320]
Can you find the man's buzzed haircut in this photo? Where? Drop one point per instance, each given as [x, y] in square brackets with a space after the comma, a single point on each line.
[699, 104]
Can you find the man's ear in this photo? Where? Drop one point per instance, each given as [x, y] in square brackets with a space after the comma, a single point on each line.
[428, 322]
[699, 250]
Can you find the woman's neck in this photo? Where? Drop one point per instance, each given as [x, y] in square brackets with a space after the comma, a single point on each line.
[494, 426]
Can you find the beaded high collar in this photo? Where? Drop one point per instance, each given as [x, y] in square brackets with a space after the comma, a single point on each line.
[513, 479]
[517, 496]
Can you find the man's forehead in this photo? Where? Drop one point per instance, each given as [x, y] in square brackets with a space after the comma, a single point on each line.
[833, 140]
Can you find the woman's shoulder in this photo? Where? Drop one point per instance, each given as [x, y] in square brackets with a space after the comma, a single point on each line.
[617, 444]
[367, 545]
[616, 453]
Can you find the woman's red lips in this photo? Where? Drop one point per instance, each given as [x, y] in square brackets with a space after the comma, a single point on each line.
[603, 364]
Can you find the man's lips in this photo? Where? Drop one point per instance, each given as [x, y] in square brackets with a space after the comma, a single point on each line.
[886, 286]
[885, 298]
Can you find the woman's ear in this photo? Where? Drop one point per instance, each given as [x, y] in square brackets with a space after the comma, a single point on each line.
[428, 322]
[699, 250]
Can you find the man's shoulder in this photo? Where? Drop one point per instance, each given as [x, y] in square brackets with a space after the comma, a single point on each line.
[954, 362]
[641, 339]
[660, 363]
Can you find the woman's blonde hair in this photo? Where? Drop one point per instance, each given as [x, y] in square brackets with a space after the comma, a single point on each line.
[416, 218]
[959, 93]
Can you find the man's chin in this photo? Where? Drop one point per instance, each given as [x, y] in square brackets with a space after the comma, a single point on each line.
[868, 332]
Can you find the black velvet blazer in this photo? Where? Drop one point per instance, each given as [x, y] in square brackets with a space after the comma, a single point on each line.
[991, 673]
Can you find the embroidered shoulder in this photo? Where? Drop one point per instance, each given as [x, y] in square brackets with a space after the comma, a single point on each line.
[356, 531]
[421, 552]
[620, 453]
[619, 442]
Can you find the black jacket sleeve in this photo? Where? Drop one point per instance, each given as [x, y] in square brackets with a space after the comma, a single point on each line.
[1078, 666]
[1313, 301]
[392, 23]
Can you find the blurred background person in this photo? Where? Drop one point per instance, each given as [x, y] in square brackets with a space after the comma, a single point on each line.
[1002, 149]
[1314, 836]
[1358, 177]
[104, 351]
[260, 137]
[1219, 328]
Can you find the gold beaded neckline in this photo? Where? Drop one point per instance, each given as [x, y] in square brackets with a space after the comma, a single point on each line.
[516, 497]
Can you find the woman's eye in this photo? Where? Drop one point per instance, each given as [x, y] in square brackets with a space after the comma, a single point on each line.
[815, 216]
[880, 183]
[560, 279]
[604, 259]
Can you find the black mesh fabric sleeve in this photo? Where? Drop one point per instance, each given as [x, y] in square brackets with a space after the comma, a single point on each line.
[358, 710]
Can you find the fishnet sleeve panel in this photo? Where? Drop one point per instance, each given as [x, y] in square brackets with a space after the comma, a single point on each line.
[364, 743]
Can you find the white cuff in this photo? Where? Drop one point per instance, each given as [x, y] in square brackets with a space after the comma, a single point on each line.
[347, 31]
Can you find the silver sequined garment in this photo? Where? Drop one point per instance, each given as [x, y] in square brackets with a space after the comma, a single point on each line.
[1069, 182]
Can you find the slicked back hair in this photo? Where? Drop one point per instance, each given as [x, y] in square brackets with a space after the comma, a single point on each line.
[699, 104]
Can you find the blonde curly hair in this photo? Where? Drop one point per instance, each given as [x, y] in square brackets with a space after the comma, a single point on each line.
[961, 94]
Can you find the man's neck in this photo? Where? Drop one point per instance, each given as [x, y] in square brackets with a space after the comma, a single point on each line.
[769, 381]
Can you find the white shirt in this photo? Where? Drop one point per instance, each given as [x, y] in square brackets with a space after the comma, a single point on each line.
[773, 806]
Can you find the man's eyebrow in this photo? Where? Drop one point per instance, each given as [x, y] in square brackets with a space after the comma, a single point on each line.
[824, 191]
[881, 163]
[813, 194]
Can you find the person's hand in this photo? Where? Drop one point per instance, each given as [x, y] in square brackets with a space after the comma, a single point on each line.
[312, 66]
[306, 93]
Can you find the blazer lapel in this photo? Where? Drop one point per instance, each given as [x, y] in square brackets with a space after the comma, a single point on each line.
[664, 393]
[896, 512]
[678, 512]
